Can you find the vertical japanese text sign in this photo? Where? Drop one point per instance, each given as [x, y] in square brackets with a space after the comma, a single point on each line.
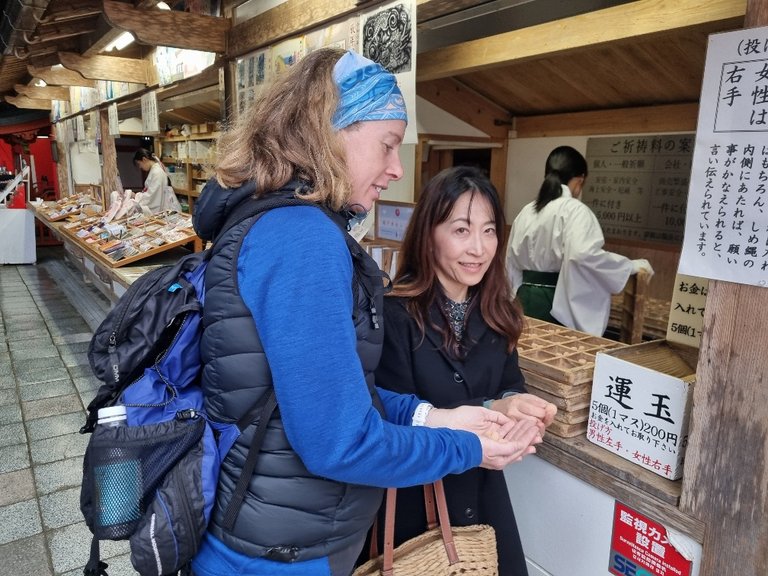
[686, 312]
[726, 229]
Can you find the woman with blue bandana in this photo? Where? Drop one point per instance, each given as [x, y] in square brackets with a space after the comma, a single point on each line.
[294, 304]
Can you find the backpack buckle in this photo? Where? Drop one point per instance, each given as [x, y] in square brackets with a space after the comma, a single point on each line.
[187, 414]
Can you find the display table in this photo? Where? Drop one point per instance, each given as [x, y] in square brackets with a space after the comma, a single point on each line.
[17, 237]
[110, 281]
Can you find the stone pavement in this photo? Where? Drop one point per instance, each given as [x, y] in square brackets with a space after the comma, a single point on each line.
[47, 315]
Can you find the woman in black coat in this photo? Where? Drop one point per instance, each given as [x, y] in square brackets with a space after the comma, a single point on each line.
[451, 327]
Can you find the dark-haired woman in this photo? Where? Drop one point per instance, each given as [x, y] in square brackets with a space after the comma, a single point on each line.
[555, 256]
[153, 194]
[451, 329]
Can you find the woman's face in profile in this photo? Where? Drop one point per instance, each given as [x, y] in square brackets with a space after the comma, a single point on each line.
[373, 159]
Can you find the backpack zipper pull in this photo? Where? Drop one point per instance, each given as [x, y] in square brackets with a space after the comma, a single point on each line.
[374, 314]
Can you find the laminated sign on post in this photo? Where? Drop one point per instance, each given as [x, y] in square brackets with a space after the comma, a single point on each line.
[640, 404]
[641, 547]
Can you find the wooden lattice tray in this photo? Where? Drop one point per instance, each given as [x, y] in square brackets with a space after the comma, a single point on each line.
[560, 355]
[128, 240]
[656, 315]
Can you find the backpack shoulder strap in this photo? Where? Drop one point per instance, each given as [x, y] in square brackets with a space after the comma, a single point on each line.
[253, 206]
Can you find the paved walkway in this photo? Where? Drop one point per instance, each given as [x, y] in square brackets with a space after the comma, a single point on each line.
[45, 382]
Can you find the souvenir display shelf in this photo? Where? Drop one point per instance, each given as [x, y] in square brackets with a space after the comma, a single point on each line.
[126, 241]
[558, 364]
[68, 207]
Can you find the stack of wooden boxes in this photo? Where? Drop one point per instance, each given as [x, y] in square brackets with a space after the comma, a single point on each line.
[558, 364]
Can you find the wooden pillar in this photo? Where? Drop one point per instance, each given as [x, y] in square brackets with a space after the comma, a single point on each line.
[726, 471]
[109, 173]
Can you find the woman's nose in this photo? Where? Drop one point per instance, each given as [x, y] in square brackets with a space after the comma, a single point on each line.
[395, 170]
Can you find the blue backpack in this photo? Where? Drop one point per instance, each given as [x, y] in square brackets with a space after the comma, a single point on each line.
[153, 481]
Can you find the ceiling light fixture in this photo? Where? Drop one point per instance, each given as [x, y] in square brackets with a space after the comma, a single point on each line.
[163, 6]
[40, 83]
[120, 42]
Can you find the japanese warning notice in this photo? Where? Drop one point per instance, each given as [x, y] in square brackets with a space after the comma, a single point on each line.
[726, 228]
[641, 546]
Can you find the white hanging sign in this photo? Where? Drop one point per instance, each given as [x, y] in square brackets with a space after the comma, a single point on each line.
[726, 229]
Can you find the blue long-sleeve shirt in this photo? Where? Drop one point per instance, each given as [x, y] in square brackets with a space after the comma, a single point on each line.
[295, 276]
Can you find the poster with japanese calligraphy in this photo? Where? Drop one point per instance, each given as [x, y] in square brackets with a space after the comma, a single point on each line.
[388, 36]
[641, 547]
[638, 185]
[150, 117]
[726, 229]
[251, 77]
[686, 311]
[640, 414]
[114, 123]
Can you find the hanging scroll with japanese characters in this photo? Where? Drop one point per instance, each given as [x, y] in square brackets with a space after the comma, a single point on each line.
[726, 230]
[638, 185]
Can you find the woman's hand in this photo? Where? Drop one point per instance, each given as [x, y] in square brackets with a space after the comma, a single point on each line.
[503, 440]
[519, 441]
[475, 419]
[522, 406]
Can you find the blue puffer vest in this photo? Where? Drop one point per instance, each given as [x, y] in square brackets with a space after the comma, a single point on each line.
[288, 514]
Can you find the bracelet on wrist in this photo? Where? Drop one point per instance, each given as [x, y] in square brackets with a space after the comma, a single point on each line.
[421, 413]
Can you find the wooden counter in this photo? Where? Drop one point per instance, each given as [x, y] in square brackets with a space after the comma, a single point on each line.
[641, 489]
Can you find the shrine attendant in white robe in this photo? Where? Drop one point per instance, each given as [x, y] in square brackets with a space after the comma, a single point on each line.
[153, 195]
[555, 256]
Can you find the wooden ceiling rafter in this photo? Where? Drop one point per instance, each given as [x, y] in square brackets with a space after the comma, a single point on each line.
[30, 103]
[624, 22]
[169, 27]
[60, 76]
[73, 10]
[467, 105]
[106, 67]
[43, 92]
[53, 32]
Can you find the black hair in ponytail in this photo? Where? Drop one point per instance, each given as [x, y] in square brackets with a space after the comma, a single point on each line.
[563, 164]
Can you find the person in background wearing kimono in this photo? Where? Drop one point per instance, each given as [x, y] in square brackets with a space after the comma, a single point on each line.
[555, 257]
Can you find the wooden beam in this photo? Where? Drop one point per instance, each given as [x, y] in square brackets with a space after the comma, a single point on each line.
[106, 67]
[24, 102]
[628, 21]
[286, 20]
[645, 120]
[169, 27]
[60, 77]
[467, 105]
[430, 9]
[43, 92]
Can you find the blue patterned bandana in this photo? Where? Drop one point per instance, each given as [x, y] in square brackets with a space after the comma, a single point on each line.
[366, 92]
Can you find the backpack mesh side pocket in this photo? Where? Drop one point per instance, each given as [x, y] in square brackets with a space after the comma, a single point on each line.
[123, 467]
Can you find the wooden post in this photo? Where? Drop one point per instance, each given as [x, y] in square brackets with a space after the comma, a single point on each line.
[725, 483]
[109, 172]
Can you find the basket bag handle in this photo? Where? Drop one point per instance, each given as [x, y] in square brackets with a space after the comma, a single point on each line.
[434, 497]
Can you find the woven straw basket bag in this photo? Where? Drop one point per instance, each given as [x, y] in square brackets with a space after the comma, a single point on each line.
[441, 551]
